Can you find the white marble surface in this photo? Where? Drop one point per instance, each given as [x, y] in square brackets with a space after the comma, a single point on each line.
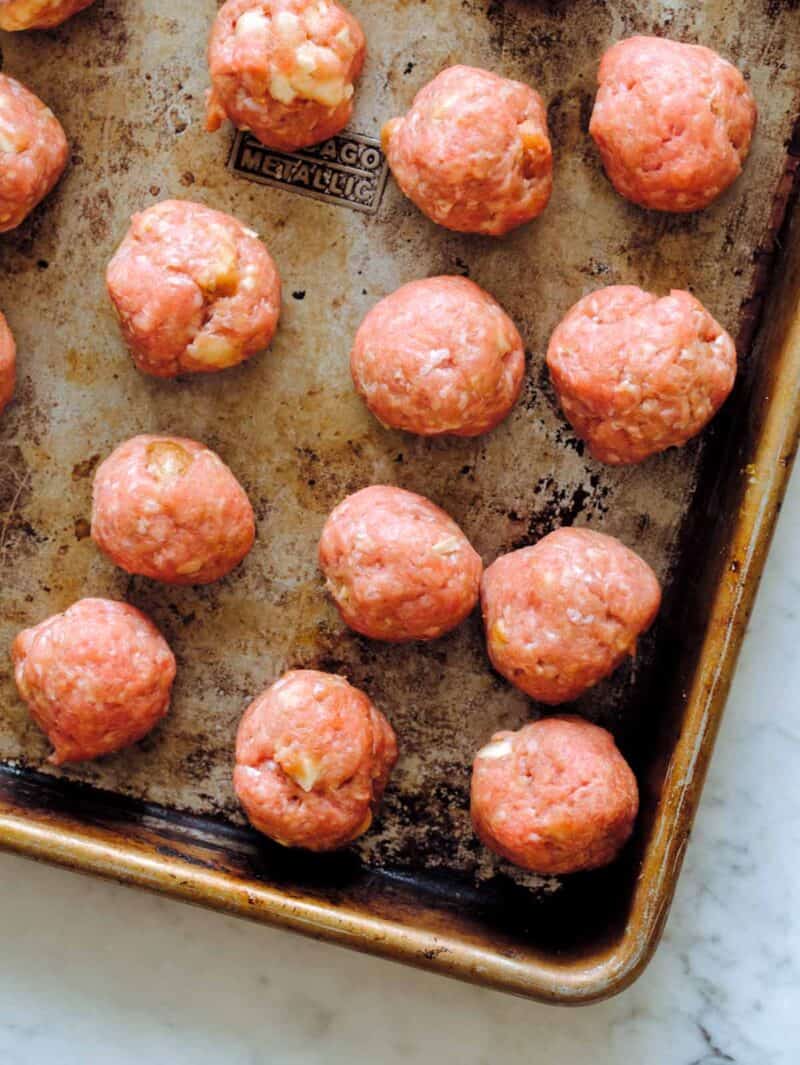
[95, 973]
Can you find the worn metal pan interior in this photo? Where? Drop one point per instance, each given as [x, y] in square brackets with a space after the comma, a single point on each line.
[128, 83]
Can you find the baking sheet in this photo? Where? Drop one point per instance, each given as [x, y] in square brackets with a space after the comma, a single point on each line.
[127, 81]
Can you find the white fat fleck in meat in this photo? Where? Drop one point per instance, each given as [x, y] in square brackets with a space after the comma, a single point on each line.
[281, 89]
[252, 22]
[300, 767]
[327, 91]
[10, 141]
[451, 545]
[316, 17]
[344, 38]
[435, 359]
[289, 27]
[496, 749]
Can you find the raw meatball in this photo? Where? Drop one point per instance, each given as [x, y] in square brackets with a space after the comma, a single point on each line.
[673, 122]
[636, 374]
[8, 364]
[563, 614]
[438, 356]
[170, 509]
[555, 797]
[96, 678]
[397, 566]
[33, 152]
[473, 152]
[313, 757]
[284, 69]
[38, 14]
[194, 289]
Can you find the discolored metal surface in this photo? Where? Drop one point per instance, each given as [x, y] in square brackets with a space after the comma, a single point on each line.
[127, 81]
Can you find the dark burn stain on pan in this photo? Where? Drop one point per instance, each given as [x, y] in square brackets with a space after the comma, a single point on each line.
[15, 490]
[291, 428]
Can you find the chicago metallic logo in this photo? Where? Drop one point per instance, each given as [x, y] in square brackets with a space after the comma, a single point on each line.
[348, 169]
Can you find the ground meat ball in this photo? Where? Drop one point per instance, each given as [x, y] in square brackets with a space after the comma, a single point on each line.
[169, 508]
[438, 356]
[397, 566]
[8, 364]
[673, 122]
[38, 14]
[284, 69]
[33, 152]
[96, 678]
[313, 757]
[636, 374]
[555, 797]
[563, 614]
[195, 291]
[473, 152]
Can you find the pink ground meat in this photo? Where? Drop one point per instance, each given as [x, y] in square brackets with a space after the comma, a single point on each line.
[96, 678]
[397, 566]
[195, 290]
[33, 152]
[8, 364]
[313, 757]
[636, 374]
[673, 122]
[284, 69]
[555, 797]
[38, 14]
[563, 614]
[170, 509]
[473, 152]
[438, 356]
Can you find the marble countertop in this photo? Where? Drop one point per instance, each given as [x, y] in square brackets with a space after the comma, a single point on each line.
[92, 972]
